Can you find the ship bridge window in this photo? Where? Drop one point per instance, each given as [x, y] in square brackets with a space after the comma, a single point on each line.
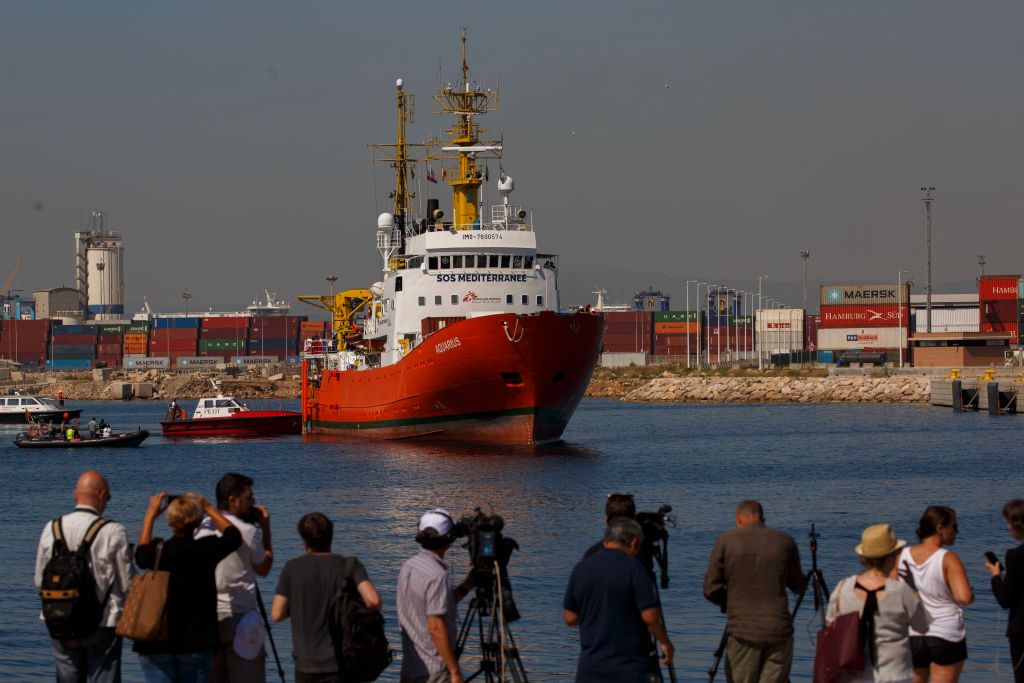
[437, 300]
[457, 261]
[540, 299]
[422, 301]
[446, 262]
[517, 261]
[526, 299]
[470, 260]
[455, 299]
[208, 403]
[432, 263]
[492, 261]
[398, 283]
[528, 262]
[414, 262]
[506, 261]
[508, 299]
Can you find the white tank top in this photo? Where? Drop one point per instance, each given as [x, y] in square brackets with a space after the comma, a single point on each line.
[947, 617]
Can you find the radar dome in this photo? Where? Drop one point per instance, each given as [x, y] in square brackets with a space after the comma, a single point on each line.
[385, 221]
[377, 288]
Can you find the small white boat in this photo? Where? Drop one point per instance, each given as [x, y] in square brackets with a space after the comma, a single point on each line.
[20, 409]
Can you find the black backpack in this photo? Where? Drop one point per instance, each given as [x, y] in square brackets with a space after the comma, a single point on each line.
[357, 632]
[71, 607]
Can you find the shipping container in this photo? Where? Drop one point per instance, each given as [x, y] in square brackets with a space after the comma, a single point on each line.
[693, 316]
[998, 311]
[113, 361]
[177, 323]
[108, 349]
[946, 320]
[811, 324]
[73, 351]
[676, 328]
[113, 329]
[226, 321]
[253, 360]
[69, 364]
[998, 288]
[780, 330]
[154, 362]
[73, 339]
[161, 347]
[74, 329]
[856, 338]
[856, 315]
[108, 338]
[860, 294]
[173, 334]
[824, 356]
[137, 328]
[200, 361]
[222, 344]
[272, 345]
[433, 324]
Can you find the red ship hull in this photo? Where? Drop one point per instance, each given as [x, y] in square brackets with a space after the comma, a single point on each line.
[249, 423]
[499, 379]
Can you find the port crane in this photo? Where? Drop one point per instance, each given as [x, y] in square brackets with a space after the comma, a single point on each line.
[6, 297]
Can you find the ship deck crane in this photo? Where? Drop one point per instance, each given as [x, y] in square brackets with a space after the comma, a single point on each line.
[343, 308]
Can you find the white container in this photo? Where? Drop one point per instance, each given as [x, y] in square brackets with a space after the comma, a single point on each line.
[623, 360]
[780, 330]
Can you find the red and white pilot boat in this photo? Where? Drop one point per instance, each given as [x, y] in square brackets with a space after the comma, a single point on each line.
[462, 339]
[226, 416]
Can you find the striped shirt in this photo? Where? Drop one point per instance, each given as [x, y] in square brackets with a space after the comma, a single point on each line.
[424, 589]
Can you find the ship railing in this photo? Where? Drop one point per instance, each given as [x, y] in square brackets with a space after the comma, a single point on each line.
[509, 217]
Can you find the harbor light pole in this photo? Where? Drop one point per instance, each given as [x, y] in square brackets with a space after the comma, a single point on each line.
[760, 306]
[688, 321]
[899, 303]
[331, 279]
[186, 295]
[804, 255]
[927, 194]
[700, 358]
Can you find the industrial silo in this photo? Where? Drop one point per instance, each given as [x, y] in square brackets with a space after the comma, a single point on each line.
[100, 269]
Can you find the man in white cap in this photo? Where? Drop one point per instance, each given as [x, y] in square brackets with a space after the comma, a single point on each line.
[426, 605]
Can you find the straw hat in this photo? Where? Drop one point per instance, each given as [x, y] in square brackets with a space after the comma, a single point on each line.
[878, 540]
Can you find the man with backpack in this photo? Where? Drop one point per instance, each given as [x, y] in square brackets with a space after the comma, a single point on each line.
[337, 629]
[83, 569]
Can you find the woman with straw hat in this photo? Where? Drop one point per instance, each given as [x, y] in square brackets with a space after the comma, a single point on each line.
[888, 608]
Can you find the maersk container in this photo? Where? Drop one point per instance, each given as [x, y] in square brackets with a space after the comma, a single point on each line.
[245, 361]
[199, 361]
[861, 294]
[147, 362]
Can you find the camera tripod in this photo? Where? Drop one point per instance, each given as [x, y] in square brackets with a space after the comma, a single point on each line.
[815, 581]
[499, 656]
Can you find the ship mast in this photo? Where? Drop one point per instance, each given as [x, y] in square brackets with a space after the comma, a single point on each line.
[397, 155]
[466, 101]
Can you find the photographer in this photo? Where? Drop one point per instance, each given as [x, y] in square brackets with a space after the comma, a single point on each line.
[617, 505]
[240, 655]
[753, 566]
[426, 605]
[612, 600]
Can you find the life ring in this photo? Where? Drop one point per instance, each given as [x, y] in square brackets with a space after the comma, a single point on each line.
[33, 431]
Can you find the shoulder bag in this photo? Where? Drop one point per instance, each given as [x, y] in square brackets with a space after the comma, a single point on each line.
[840, 648]
[144, 618]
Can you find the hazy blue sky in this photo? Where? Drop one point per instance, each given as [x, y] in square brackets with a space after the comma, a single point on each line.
[227, 141]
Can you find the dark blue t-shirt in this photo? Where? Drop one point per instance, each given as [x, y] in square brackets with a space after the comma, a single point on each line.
[609, 590]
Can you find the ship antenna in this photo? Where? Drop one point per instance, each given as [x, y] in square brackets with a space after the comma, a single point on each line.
[465, 65]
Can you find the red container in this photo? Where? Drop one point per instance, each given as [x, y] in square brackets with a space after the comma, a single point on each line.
[108, 349]
[998, 287]
[106, 361]
[173, 334]
[998, 311]
[164, 347]
[73, 339]
[231, 321]
[110, 339]
[432, 325]
[864, 315]
[811, 324]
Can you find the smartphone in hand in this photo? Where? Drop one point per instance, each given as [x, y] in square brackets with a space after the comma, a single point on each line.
[991, 557]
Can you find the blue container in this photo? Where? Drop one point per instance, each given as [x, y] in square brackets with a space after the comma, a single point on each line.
[74, 329]
[271, 344]
[825, 357]
[177, 323]
[69, 364]
[74, 351]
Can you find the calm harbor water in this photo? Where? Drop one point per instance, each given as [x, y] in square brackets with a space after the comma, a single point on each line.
[842, 466]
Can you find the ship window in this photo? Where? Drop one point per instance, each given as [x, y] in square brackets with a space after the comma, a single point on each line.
[414, 262]
[432, 263]
[508, 299]
[528, 262]
[437, 300]
[505, 261]
[470, 260]
[455, 299]
[526, 299]
[457, 261]
[208, 403]
[398, 283]
[540, 299]
[422, 301]
[446, 262]
[493, 261]
[517, 261]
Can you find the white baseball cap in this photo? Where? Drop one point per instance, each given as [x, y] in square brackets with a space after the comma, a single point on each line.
[249, 636]
[438, 519]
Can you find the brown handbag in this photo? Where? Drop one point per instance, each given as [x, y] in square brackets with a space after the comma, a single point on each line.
[840, 648]
[144, 618]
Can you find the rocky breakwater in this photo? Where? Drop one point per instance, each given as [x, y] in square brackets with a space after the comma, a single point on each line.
[783, 390]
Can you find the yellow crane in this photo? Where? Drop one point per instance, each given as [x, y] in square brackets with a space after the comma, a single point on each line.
[343, 308]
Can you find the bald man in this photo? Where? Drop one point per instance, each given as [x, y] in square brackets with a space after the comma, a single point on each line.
[96, 658]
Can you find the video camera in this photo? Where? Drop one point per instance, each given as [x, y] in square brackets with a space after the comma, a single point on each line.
[655, 547]
[489, 554]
